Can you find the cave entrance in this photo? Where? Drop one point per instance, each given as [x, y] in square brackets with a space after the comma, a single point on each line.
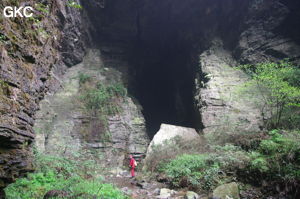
[162, 43]
[163, 81]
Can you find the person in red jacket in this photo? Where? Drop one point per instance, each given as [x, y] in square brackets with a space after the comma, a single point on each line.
[132, 165]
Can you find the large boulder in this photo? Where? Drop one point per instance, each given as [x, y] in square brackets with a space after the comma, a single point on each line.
[169, 142]
[168, 132]
[166, 193]
[225, 191]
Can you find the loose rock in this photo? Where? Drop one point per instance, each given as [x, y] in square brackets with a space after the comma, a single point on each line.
[227, 191]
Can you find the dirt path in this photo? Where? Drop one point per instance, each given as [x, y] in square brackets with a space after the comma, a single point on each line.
[140, 189]
[137, 189]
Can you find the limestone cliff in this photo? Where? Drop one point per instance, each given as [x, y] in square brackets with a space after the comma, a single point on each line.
[31, 57]
[63, 125]
[259, 38]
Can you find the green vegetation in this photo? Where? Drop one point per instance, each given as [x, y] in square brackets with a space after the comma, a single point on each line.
[101, 99]
[170, 149]
[193, 171]
[278, 158]
[74, 4]
[271, 156]
[2, 37]
[104, 98]
[71, 179]
[275, 159]
[279, 87]
[83, 78]
[42, 8]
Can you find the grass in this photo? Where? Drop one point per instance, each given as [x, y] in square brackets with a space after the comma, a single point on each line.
[83, 78]
[63, 178]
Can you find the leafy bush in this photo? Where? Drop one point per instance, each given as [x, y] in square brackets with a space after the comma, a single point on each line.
[279, 156]
[258, 162]
[104, 98]
[276, 160]
[279, 87]
[192, 170]
[57, 173]
[230, 157]
[170, 149]
[116, 89]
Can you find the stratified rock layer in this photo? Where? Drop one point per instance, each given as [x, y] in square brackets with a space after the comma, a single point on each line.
[223, 107]
[65, 127]
[29, 62]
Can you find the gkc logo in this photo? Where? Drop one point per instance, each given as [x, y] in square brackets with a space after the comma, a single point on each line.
[11, 12]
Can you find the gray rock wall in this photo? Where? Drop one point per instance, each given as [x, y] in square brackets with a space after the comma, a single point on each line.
[65, 127]
[224, 108]
[268, 32]
[259, 37]
[30, 60]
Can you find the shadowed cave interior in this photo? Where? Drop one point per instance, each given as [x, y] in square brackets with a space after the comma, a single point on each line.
[163, 82]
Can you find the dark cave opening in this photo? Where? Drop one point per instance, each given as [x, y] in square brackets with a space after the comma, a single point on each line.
[162, 78]
[163, 83]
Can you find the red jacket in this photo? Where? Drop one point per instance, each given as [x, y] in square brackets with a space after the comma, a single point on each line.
[132, 161]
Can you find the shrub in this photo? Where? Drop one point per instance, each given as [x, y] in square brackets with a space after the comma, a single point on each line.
[170, 149]
[42, 8]
[277, 159]
[57, 173]
[230, 157]
[104, 98]
[279, 87]
[192, 171]
[116, 89]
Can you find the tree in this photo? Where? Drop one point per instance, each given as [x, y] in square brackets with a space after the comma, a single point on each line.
[279, 87]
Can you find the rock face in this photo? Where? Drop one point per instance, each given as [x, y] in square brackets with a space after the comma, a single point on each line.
[29, 61]
[268, 34]
[259, 37]
[223, 107]
[64, 127]
[226, 191]
[168, 132]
